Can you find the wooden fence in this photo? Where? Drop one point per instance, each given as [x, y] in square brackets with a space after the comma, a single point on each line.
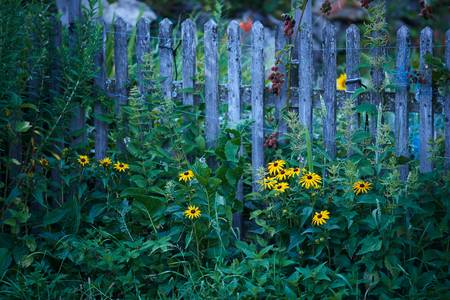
[303, 97]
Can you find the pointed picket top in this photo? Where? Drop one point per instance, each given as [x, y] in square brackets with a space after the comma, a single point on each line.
[120, 23]
[165, 23]
[403, 31]
[187, 23]
[232, 26]
[165, 32]
[143, 22]
[210, 25]
[257, 26]
[353, 28]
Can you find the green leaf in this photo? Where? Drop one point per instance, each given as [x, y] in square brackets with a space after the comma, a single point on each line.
[54, 216]
[231, 151]
[95, 211]
[5, 260]
[22, 126]
[369, 244]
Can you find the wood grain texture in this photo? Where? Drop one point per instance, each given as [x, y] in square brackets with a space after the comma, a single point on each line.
[329, 82]
[142, 49]
[257, 97]
[281, 101]
[212, 125]
[305, 69]
[425, 102]
[401, 96]
[189, 48]
[352, 62]
[166, 57]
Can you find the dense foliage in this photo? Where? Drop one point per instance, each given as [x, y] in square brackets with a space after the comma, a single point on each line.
[155, 220]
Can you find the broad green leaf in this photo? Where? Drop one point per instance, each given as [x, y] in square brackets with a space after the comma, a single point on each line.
[22, 126]
[369, 244]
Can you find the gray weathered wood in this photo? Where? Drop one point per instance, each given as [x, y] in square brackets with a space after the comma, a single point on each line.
[166, 57]
[401, 97]
[234, 100]
[281, 101]
[329, 83]
[257, 97]
[78, 121]
[305, 69]
[121, 69]
[447, 103]
[101, 128]
[425, 102]
[142, 50]
[352, 61]
[234, 73]
[377, 75]
[189, 44]
[211, 84]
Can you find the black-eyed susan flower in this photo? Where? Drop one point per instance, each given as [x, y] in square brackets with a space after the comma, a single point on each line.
[294, 171]
[83, 160]
[361, 187]
[276, 166]
[320, 218]
[121, 167]
[283, 175]
[281, 187]
[192, 212]
[105, 162]
[186, 176]
[341, 82]
[310, 180]
[268, 182]
[43, 162]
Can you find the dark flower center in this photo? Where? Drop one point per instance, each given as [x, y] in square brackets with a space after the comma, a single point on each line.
[83, 160]
[362, 185]
[296, 170]
[186, 173]
[319, 216]
[282, 172]
[279, 187]
[275, 164]
[121, 165]
[309, 177]
[192, 211]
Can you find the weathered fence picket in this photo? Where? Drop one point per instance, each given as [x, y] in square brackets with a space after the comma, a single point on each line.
[121, 71]
[305, 69]
[425, 102]
[212, 125]
[234, 100]
[78, 122]
[352, 60]
[189, 45]
[401, 97]
[101, 128]
[446, 109]
[329, 83]
[166, 59]
[257, 96]
[281, 101]
[142, 50]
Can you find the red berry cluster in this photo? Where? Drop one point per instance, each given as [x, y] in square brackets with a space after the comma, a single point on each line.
[326, 8]
[271, 141]
[425, 10]
[289, 24]
[365, 3]
[277, 81]
[416, 77]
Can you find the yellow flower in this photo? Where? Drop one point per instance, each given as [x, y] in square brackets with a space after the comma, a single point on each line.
[361, 187]
[43, 162]
[281, 187]
[320, 218]
[192, 212]
[310, 179]
[186, 176]
[121, 167]
[105, 162]
[295, 171]
[283, 174]
[83, 160]
[276, 166]
[268, 183]
[341, 82]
